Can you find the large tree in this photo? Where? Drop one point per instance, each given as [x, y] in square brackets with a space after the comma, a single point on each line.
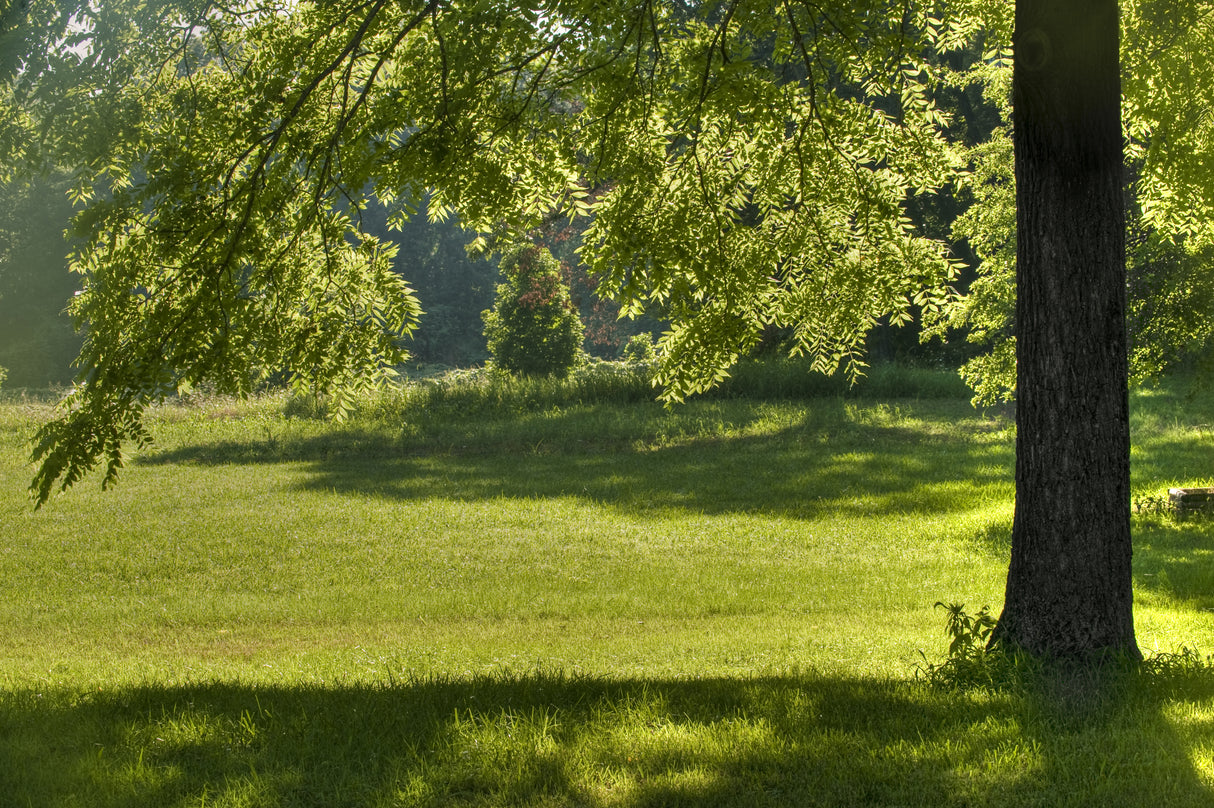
[1069, 586]
[746, 165]
[1169, 140]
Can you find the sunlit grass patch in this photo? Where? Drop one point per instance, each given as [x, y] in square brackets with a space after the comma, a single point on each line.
[573, 603]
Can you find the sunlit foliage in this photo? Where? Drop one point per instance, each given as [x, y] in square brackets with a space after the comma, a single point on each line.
[743, 166]
[746, 164]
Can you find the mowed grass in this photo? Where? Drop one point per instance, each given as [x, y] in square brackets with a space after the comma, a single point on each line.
[570, 603]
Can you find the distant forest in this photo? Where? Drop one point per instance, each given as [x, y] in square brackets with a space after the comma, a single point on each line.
[38, 341]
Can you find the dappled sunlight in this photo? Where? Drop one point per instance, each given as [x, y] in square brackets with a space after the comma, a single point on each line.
[749, 741]
[1173, 437]
[1164, 627]
[1171, 461]
[825, 458]
[604, 606]
[1174, 561]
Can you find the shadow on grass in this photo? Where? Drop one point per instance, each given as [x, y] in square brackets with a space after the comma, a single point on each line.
[715, 459]
[1178, 459]
[545, 739]
[1176, 559]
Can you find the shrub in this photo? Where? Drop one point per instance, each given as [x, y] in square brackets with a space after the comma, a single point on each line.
[640, 349]
[533, 328]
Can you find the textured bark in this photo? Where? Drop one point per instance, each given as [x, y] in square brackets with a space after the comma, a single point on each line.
[1069, 586]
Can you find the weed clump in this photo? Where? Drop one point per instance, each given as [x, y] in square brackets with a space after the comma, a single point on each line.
[977, 662]
[972, 661]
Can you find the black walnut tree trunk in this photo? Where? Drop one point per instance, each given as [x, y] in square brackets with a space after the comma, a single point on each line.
[1069, 585]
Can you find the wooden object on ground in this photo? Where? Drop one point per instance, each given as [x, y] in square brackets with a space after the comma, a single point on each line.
[1191, 500]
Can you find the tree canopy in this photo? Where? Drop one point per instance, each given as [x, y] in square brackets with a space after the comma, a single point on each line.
[1165, 69]
[743, 165]
[743, 169]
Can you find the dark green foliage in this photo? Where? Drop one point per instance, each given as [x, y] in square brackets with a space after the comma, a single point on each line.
[533, 328]
[606, 332]
[453, 286]
[37, 340]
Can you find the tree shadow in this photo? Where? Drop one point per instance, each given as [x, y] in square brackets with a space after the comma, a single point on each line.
[1175, 559]
[819, 464]
[1115, 738]
[549, 739]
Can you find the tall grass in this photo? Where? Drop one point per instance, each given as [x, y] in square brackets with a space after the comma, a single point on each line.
[459, 394]
[793, 379]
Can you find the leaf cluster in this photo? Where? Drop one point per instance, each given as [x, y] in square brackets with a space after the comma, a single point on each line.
[772, 192]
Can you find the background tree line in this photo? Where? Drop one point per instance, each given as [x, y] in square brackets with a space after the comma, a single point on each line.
[39, 342]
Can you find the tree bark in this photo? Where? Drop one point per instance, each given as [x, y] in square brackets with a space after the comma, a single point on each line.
[1069, 584]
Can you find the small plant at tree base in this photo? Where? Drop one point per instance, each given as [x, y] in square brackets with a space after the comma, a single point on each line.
[3, 373]
[969, 651]
[533, 328]
[970, 633]
[972, 660]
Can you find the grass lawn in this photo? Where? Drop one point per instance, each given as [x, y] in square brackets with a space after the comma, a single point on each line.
[571, 604]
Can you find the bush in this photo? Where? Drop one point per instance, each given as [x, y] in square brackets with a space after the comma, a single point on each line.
[533, 328]
[640, 349]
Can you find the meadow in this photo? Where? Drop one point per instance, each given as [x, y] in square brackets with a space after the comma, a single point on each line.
[497, 593]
